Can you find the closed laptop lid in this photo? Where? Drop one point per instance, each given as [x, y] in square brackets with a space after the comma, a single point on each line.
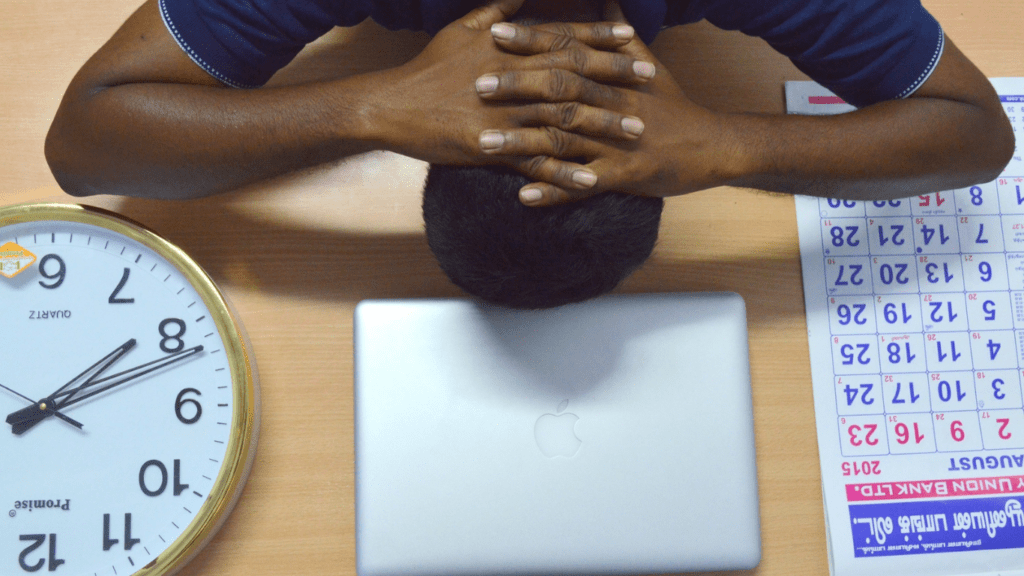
[611, 436]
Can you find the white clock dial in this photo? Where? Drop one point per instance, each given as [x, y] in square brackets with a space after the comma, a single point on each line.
[128, 402]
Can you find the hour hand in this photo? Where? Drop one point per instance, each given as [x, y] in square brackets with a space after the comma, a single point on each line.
[29, 416]
[41, 405]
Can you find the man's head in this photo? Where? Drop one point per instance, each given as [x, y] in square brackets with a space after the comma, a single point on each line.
[492, 246]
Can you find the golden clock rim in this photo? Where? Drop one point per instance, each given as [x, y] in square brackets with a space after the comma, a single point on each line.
[241, 446]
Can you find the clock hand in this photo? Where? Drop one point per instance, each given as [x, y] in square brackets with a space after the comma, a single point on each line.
[22, 420]
[73, 422]
[128, 375]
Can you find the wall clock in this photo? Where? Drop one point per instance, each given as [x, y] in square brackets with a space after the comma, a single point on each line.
[128, 392]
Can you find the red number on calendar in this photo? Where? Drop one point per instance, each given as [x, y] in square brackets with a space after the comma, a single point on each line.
[1003, 423]
[903, 433]
[956, 431]
[869, 436]
[865, 468]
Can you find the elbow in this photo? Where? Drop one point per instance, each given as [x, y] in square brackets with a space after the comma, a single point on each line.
[61, 153]
[998, 150]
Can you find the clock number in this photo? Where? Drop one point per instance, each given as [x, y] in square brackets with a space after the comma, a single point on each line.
[37, 541]
[178, 486]
[109, 542]
[179, 402]
[178, 343]
[58, 277]
[113, 299]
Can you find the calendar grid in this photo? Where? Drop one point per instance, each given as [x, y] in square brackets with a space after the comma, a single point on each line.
[926, 311]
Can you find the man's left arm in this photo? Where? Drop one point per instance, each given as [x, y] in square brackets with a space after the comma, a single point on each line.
[951, 133]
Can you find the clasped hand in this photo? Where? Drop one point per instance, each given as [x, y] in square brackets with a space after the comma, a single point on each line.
[578, 108]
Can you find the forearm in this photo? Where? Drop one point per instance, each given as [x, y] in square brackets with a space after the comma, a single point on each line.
[165, 140]
[889, 150]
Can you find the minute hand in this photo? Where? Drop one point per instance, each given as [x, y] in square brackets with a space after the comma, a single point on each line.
[69, 397]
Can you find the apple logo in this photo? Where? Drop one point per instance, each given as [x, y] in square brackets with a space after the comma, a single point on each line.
[555, 434]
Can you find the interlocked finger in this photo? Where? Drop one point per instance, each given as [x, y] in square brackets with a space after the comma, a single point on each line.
[558, 36]
[543, 141]
[550, 86]
[592, 64]
[554, 180]
[582, 119]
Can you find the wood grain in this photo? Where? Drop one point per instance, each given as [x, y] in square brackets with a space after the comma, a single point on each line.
[296, 254]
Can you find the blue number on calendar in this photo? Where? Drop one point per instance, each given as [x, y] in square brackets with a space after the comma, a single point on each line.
[836, 203]
[937, 311]
[1019, 199]
[889, 311]
[997, 389]
[864, 390]
[952, 351]
[837, 236]
[855, 278]
[886, 274]
[929, 233]
[946, 392]
[993, 349]
[930, 269]
[897, 229]
[882, 203]
[979, 239]
[976, 197]
[986, 271]
[914, 397]
[846, 315]
[989, 308]
[847, 352]
[894, 353]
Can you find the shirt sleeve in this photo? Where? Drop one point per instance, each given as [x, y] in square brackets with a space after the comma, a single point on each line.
[243, 43]
[866, 51]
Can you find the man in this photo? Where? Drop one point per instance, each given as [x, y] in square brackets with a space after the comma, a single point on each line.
[150, 115]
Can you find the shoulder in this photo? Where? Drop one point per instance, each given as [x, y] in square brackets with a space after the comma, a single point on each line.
[866, 51]
[243, 42]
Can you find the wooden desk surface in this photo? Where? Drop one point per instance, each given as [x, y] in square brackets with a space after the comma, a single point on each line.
[297, 253]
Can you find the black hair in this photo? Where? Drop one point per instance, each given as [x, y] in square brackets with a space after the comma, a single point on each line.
[492, 246]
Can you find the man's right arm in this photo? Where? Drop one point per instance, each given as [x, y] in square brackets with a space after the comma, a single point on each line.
[141, 119]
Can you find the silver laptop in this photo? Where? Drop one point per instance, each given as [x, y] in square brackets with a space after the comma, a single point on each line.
[612, 436]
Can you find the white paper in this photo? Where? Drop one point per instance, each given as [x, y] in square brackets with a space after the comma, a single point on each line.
[915, 318]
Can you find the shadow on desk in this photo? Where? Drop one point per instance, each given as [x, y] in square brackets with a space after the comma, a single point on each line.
[260, 254]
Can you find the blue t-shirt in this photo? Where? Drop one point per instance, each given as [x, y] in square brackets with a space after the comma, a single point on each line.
[866, 51]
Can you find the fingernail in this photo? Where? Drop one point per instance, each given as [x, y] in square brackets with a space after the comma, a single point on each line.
[643, 69]
[491, 140]
[620, 31]
[584, 178]
[503, 31]
[530, 195]
[633, 126]
[489, 83]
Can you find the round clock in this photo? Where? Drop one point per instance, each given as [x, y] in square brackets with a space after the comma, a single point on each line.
[128, 392]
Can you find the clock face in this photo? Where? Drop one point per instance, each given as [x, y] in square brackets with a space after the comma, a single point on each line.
[127, 398]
